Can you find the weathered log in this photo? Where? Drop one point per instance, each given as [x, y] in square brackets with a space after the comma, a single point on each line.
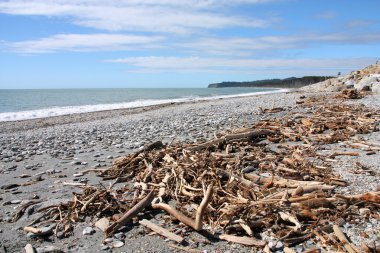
[130, 214]
[202, 207]
[176, 214]
[373, 197]
[205, 145]
[248, 135]
[280, 182]
[154, 145]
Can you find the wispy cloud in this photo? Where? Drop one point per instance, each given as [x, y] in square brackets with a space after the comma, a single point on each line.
[358, 24]
[239, 46]
[84, 42]
[236, 46]
[326, 15]
[168, 16]
[236, 65]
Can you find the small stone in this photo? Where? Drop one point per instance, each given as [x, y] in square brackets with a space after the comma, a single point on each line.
[76, 162]
[271, 245]
[40, 173]
[51, 171]
[49, 249]
[19, 158]
[16, 201]
[340, 222]
[29, 248]
[266, 174]
[120, 236]
[279, 245]
[37, 178]
[105, 247]
[79, 174]
[88, 231]
[30, 235]
[102, 224]
[248, 169]
[83, 180]
[364, 211]
[117, 244]
[108, 240]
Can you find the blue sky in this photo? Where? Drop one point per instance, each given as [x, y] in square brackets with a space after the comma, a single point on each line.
[187, 43]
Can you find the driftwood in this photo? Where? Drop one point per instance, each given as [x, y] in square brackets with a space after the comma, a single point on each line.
[176, 214]
[245, 240]
[39, 231]
[248, 135]
[269, 175]
[130, 214]
[20, 211]
[282, 183]
[202, 207]
[351, 248]
[94, 196]
[162, 231]
[373, 197]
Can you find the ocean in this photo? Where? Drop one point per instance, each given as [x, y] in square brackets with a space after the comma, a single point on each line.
[41, 103]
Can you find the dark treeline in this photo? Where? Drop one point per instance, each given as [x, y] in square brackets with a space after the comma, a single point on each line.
[292, 82]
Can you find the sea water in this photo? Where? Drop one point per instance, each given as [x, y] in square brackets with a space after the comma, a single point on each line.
[41, 103]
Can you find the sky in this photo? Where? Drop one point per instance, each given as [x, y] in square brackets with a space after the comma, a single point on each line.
[181, 43]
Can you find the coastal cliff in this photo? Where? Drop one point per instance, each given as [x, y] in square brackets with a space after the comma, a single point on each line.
[292, 82]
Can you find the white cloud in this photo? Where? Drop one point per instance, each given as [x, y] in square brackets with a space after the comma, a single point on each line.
[167, 16]
[236, 46]
[239, 46]
[326, 15]
[236, 65]
[84, 42]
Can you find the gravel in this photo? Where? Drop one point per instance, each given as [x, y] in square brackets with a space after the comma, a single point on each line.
[60, 148]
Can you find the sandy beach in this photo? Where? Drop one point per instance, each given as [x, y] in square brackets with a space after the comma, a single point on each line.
[55, 150]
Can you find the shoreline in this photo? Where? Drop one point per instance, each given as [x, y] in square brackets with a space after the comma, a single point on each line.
[33, 123]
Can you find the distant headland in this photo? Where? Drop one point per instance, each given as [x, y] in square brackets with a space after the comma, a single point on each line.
[291, 82]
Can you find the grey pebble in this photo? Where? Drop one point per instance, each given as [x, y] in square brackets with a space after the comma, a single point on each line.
[105, 247]
[88, 231]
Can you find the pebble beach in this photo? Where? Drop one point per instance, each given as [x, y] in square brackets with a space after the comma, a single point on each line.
[56, 150]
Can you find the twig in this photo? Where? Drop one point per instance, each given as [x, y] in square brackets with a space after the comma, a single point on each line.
[94, 196]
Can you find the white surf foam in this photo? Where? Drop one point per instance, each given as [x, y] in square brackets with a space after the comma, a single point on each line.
[67, 110]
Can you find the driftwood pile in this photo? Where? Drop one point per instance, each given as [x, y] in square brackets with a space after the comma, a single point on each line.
[267, 178]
